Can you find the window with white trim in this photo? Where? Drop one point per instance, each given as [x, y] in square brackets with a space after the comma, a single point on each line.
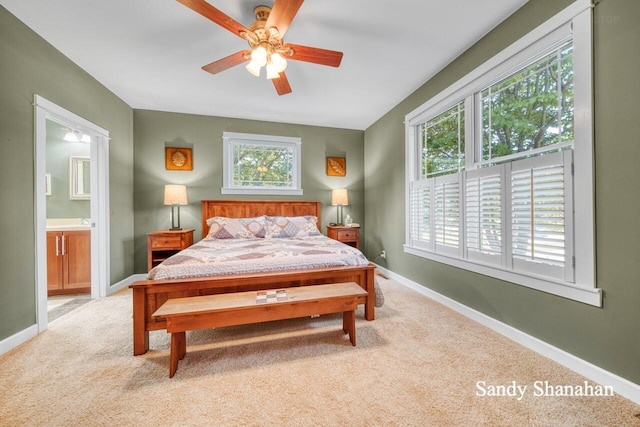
[494, 164]
[442, 143]
[261, 164]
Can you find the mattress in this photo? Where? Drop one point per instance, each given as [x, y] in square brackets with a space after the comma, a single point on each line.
[216, 257]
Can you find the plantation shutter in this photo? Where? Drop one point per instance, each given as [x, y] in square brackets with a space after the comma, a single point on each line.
[420, 214]
[447, 213]
[539, 215]
[483, 214]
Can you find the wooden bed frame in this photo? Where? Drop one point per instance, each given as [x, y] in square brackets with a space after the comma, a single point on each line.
[149, 295]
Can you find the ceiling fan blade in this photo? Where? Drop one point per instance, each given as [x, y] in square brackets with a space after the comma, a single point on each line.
[228, 62]
[217, 16]
[282, 84]
[281, 15]
[315, 55]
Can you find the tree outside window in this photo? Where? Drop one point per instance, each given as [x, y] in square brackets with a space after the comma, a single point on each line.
[261, 164]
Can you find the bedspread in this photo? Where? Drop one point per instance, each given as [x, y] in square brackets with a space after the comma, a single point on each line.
[215, 257]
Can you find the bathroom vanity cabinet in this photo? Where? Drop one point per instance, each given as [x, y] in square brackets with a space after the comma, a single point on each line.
[68, 262]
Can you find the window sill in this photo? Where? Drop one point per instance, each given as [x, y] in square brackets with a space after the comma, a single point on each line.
[261, 191]
[591, 296]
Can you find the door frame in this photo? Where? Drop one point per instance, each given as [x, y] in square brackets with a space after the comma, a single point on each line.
[99, 173]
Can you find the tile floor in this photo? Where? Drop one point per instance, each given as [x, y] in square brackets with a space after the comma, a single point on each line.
[60, 305]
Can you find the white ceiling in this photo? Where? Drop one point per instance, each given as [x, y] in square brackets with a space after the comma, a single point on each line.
[149, 53]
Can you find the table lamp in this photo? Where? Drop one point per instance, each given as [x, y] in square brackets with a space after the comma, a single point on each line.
[175, 195]
[339, 198]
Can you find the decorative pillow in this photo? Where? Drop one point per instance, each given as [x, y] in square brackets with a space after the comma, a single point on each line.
[236, 228]
[292, 226]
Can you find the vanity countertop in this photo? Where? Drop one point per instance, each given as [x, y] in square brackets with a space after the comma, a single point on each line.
[68, 224]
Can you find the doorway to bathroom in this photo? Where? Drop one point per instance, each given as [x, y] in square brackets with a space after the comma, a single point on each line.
[68, 225]
[72, 244]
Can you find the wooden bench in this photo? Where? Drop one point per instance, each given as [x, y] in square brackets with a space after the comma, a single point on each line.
[241, 308]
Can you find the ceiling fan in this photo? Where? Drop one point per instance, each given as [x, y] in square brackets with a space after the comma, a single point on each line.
[265, 38]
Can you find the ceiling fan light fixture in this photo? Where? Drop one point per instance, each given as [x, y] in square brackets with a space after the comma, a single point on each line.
[254, 68]
[258, 60]
[259, 56]
[278, 62]
[265, 39]
[272, 72]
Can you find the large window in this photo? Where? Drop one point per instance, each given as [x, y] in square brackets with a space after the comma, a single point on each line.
[531, 110]
[494, 164]
[261, 164]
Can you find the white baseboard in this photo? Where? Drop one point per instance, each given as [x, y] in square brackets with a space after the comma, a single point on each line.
[124, 283]
[18, 338]
[596, 374]
[31, 331]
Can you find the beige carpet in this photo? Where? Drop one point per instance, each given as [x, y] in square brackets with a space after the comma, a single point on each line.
[417, 364]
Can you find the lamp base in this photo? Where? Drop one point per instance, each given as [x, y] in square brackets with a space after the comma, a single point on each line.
[175, 226]
[339, 216]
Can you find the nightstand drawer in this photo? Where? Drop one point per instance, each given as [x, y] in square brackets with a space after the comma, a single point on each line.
[347, 235]
[166, 242]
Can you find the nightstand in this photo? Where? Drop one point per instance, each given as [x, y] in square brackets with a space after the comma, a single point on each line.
[161, 244]
[345, 234]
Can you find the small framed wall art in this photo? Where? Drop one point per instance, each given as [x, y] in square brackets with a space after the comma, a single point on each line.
[336, 166]
[178, 158]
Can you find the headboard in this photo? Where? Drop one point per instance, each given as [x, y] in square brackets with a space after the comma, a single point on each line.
[251, 208]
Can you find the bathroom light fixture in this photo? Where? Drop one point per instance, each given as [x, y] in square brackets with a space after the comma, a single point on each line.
[71, 136]
[339, 198]
[175, 195]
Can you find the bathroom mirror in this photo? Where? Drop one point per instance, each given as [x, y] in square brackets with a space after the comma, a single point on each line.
[79, 178]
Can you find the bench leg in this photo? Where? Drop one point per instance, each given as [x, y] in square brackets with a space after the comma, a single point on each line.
[178, 350]
[349, 325]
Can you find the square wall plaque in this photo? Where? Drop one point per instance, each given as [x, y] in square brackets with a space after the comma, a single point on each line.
[178, 159]
[336, 166]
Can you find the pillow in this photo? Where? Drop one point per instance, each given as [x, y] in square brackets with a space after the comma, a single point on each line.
[291, 226]
[236, 228]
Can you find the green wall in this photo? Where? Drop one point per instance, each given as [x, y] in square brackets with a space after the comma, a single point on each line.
[28, 66]
[154, 130]
[607, 336]
[59, 205]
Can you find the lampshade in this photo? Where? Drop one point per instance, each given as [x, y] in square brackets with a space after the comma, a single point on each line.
[175, 194]
[253, 68]
[339, 197]
[278, 62]
[259, 56]
[272, 73]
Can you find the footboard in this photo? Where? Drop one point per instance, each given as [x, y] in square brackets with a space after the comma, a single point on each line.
[148, 295]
